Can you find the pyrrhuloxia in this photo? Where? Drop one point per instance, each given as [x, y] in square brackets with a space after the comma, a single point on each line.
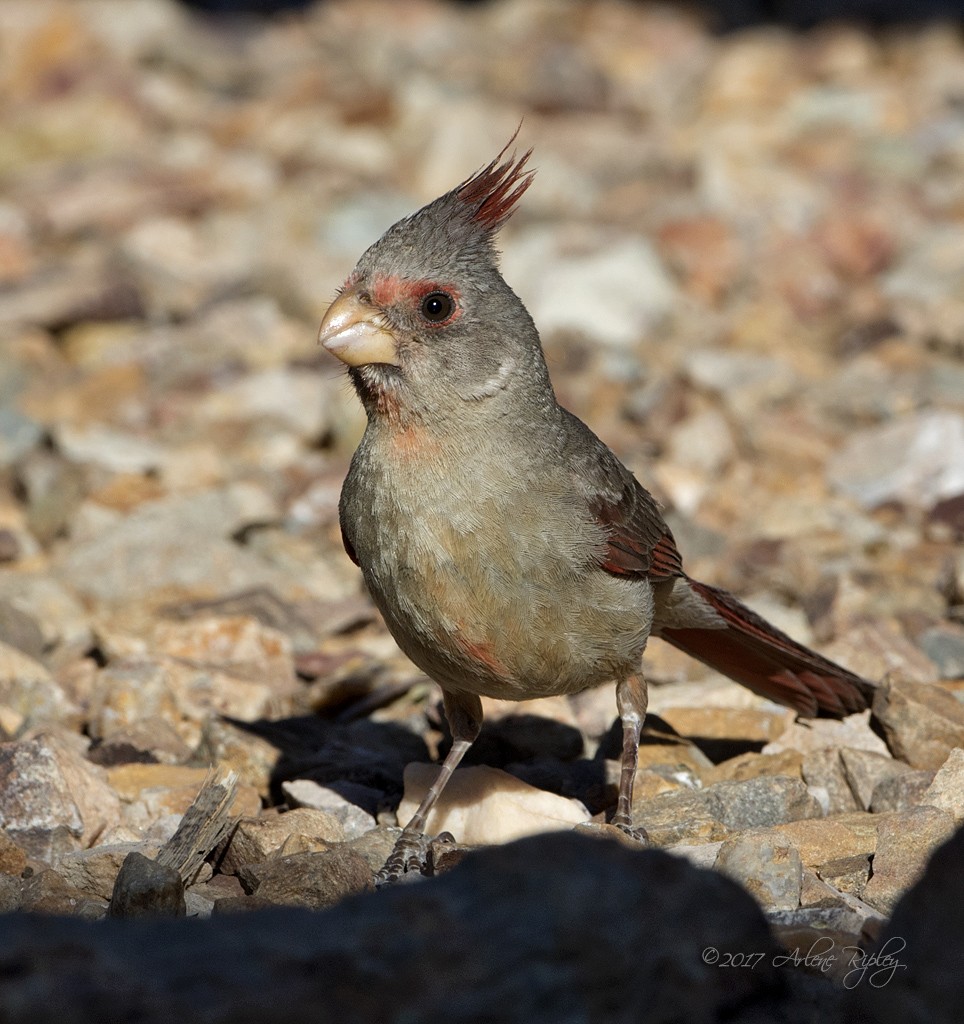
[510, 552]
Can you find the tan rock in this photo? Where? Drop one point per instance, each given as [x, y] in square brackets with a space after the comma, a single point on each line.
[685, 817]
[769, 868]
[302, 830]
[750, 766]
[94, 871]
[906, 841]
[864, 770]
[165, 789]
[946, 792]
[826, 844]
[922, 722]
[237, 645]
[51, 798]
[729, 723]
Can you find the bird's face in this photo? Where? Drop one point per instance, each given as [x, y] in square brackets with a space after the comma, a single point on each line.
[425, 320]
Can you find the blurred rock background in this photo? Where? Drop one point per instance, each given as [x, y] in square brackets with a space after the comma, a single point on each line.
[745, 252]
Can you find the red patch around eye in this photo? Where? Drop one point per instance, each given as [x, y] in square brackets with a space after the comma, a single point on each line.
[389, 290]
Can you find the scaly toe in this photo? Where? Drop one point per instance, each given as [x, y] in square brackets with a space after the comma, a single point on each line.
[408, 861]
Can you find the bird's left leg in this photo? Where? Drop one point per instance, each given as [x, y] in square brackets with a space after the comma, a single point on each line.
[631, 701]
[409, 857]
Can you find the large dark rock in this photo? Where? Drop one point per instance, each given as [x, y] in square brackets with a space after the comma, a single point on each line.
[556, 928]
[913, 975]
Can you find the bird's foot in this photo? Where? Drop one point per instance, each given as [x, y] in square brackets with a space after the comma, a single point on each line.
[637, 833]
[413, 857]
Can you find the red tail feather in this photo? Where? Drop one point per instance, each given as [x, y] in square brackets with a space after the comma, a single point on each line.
[761, 657]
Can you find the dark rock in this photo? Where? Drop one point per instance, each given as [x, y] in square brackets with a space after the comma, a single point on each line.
[916, 976]
[11, 889]
[312, 880]
[144, 888]
[551, 929]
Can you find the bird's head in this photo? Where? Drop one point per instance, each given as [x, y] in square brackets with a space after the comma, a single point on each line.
[425, 320]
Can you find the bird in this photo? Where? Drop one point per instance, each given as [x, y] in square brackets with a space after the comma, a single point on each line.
[509, 551]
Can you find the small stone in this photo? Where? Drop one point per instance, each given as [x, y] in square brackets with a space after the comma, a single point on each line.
[917, 460]
[29, 690]
[18, 629]
[944, 645]
[769, 869]
[252, 757]
[560, 274]
[309, 794]
[819, 733]
[922, 722]
[824, 768]
[701, 855]
[145, 888]
[180, 541]
[946, 792]
[815, 892]
[749, 766]
[728, 723]
[743, 380]
[12, 858]
[865, 770]
[51, 799]
[905, 844]
[302, 830]
[901, 792]
[833, 847]
[765, 800]
[95, 871]
[878, 649]
[684, 817]
[312, 880]
[376, 846]
[148, 740]
[486, 805]
[45, 892]
[11, 893]
[237, 645]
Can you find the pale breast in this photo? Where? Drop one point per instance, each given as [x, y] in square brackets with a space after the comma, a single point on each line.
[494, 587]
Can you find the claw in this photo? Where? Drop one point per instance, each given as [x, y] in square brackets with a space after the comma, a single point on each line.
[638, 834]
[408, 861]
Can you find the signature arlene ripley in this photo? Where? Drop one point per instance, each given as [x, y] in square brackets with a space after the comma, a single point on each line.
[877, 968]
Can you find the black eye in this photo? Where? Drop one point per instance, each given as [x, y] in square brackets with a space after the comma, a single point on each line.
[437, 306]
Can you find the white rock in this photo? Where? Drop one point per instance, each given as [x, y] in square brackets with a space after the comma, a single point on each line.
[611, 289]
[916, 460]
[485, 805]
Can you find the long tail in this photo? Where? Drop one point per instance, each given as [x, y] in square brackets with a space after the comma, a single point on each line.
[761, 657]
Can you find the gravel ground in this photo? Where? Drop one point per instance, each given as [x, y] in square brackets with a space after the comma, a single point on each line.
[746, 257]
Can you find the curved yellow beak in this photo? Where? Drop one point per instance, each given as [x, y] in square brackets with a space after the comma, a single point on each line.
[352, 332]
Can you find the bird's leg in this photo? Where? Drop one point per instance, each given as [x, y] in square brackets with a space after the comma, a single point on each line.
[631, 701]
[409, 857]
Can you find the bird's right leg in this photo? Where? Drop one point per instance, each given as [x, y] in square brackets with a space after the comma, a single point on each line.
[409, 857]
[632, 699]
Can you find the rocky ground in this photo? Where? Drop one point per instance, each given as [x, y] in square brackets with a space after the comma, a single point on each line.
[746, 256]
